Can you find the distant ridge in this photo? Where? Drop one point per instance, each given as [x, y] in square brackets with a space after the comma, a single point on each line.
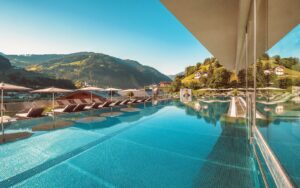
[93, 68]
[20, 76]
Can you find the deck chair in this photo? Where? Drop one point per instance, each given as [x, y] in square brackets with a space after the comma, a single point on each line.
[95, 105]
[72, 101]
[124, 102]
[60, 103]
[149, 99]
[97, 100]
[141, 100]
[79, 107]
[133, 101]
[31, 113]
[106, 104]
[115, 103]
[68, 108]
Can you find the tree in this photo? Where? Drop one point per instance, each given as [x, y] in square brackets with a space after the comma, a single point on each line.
[242, 77]
[194, 84]
[189, 70]
[176, 84]
[198, 65]
[297, 82]
[220, 78]
[206, 61]
[265, 56]
[277, 58]
[210, 71]
[284, 83]
[267, 66]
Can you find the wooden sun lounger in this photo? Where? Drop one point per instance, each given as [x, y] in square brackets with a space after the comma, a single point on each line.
[60, 103]
[106, 104]
[78, 101]
[115, 103]
[79, 107]
[68, 108]
[133, 101]
[124, 102]
[31, 113]
[71, 101]
[141, 100]
[97, 100]
[149, 99]
[95, 105]
[85, 101]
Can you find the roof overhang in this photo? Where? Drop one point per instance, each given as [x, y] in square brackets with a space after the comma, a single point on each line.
[221, 25]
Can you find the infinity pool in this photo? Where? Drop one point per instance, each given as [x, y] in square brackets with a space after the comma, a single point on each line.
[168, 145]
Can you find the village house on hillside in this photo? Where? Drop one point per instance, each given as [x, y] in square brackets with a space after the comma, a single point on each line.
[165, 84]
[279, 71]
[296, 90]
[198, 75]
[268, 72]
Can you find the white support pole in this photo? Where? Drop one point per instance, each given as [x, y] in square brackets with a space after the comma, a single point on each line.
[254, 62]
[53, 115]
[91, 96]
[2, 123]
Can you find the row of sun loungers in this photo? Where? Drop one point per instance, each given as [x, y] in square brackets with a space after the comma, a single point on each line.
[77, 105]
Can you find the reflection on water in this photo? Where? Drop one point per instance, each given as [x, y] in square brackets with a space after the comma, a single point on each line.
[230, 157]
[212, 113]
[278, 113]
[281, 131]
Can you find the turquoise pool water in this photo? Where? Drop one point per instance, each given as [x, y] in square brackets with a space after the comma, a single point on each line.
[168, 145]
[282, 133]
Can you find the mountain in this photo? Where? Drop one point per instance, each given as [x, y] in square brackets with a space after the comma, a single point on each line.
[20, 76]
[4, 63]
[94, 68]
[26, 60]
[172, 77]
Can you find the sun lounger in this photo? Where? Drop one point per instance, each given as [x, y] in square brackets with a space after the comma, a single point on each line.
[31, 113]
[115, 103]
[141, 100]
[79, 107]
[60, 103]
[149, 99]
[124, 102]
[84, 101]
[89, 101]
[133, 101]
[71, 101]
[78, 101]
[68, 108]
[97, 100]
[106, 104]
[95, 105]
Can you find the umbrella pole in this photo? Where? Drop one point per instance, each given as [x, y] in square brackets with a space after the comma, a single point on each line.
[53, 98]
[2, 126]
[91, 96]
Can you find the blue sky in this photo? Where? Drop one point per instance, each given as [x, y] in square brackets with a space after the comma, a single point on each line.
[288, 46]
[142, 30]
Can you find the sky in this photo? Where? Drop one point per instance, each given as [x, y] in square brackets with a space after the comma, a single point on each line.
[142, 30]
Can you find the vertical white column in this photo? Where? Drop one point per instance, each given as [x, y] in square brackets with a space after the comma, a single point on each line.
[2, 124]
[254, 62]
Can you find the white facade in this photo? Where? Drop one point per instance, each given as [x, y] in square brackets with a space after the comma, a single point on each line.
[279, 71]
[296, 90]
